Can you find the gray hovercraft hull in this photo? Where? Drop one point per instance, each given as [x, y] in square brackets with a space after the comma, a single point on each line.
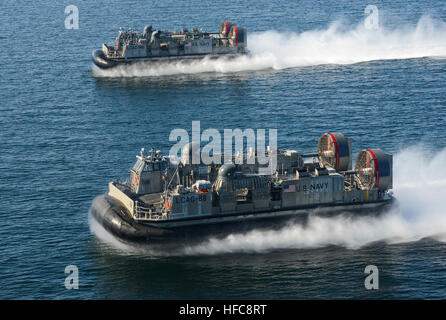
[101, 61]
[114, 218]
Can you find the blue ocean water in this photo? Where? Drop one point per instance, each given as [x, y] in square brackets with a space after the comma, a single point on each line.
[67, 129]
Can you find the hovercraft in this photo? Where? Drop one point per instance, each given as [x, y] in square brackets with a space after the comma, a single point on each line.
[157, 45]
[165, 200]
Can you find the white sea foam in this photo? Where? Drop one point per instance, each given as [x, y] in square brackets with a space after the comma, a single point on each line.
[336, 44]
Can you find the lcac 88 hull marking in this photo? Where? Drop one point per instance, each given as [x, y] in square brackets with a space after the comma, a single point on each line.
[157, 46]
[165, 201]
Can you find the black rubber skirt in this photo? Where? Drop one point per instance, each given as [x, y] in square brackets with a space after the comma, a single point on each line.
[101, 61]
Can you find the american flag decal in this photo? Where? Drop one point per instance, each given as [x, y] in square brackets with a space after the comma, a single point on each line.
[289, 188]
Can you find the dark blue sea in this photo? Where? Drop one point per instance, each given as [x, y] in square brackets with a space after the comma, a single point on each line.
[68, 128]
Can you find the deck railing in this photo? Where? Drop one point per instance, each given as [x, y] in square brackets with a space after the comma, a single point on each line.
[143, 212]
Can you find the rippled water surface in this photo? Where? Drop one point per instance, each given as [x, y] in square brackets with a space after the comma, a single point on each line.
[67, 128]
